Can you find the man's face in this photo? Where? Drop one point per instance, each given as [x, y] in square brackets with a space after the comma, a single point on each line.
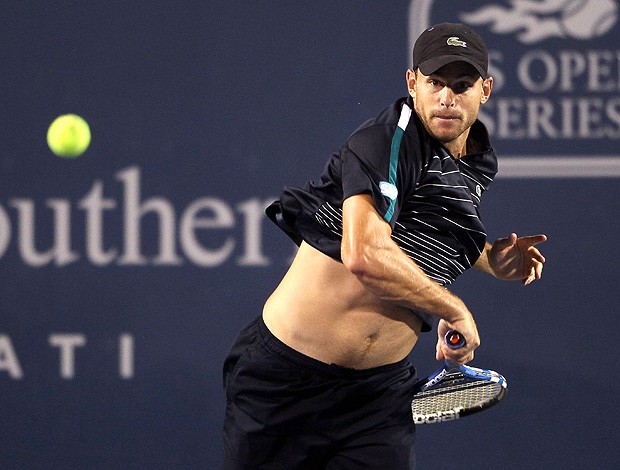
[448, 102]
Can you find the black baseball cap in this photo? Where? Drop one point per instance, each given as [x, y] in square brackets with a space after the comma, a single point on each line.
[450, 42]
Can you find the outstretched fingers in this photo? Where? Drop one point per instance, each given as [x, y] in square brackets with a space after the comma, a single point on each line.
[533, 258]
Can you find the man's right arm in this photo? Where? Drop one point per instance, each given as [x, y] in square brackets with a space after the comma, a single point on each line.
[369, 252]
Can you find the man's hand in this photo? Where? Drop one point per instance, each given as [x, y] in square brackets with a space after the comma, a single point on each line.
[467, 328]
[517, 258]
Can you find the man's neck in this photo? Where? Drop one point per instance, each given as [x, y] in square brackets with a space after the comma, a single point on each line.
[458, 147]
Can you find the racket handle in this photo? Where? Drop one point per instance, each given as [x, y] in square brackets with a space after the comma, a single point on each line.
[454, 339]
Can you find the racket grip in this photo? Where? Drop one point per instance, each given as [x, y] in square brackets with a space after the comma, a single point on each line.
[454, 339]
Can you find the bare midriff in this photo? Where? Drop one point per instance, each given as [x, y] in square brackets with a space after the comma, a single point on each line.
[323, 311]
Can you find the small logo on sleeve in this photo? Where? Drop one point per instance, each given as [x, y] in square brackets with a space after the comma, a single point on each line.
[388, 190]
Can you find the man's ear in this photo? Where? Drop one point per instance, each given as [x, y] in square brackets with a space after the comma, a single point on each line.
[411, 82]
[487, 86]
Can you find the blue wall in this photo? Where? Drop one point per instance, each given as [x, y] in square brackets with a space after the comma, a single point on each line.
[126, 273]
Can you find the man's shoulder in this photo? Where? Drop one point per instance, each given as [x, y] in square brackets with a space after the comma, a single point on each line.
[378, 133]
[386, 118]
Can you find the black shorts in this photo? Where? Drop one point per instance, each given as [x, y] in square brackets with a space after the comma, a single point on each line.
[285, 410]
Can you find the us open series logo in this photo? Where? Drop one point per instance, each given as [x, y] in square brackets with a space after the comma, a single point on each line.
[555, 106]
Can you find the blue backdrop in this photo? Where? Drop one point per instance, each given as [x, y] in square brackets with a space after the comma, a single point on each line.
[126, 273]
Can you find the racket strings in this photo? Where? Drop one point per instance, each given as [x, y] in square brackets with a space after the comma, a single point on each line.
[460, 395]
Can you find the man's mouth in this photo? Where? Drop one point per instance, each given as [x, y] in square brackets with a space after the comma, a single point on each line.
[447, 116]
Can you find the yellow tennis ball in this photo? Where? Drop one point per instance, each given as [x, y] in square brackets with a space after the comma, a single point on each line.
[68, 136]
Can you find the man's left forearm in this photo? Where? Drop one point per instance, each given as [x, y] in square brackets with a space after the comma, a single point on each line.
[482, 264]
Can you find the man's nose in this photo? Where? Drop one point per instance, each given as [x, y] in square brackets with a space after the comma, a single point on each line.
[447, 97]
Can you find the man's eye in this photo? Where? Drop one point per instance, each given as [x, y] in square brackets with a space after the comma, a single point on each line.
[460, 87]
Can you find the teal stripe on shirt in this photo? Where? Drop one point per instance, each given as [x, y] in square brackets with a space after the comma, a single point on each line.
[405, 115]
[394, 151]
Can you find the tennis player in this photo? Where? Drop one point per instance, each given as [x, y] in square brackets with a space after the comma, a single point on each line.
[321, 379]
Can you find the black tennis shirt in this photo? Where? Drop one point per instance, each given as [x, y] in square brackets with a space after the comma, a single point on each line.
[430, 199]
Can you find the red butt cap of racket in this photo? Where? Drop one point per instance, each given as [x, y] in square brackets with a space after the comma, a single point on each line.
[454, 339]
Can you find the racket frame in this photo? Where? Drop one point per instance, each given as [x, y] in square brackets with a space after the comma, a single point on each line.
[471, 373]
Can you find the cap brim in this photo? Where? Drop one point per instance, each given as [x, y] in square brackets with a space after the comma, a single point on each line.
[431, 66]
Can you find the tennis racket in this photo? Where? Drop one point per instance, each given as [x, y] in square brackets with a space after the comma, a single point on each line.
[455, 391]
